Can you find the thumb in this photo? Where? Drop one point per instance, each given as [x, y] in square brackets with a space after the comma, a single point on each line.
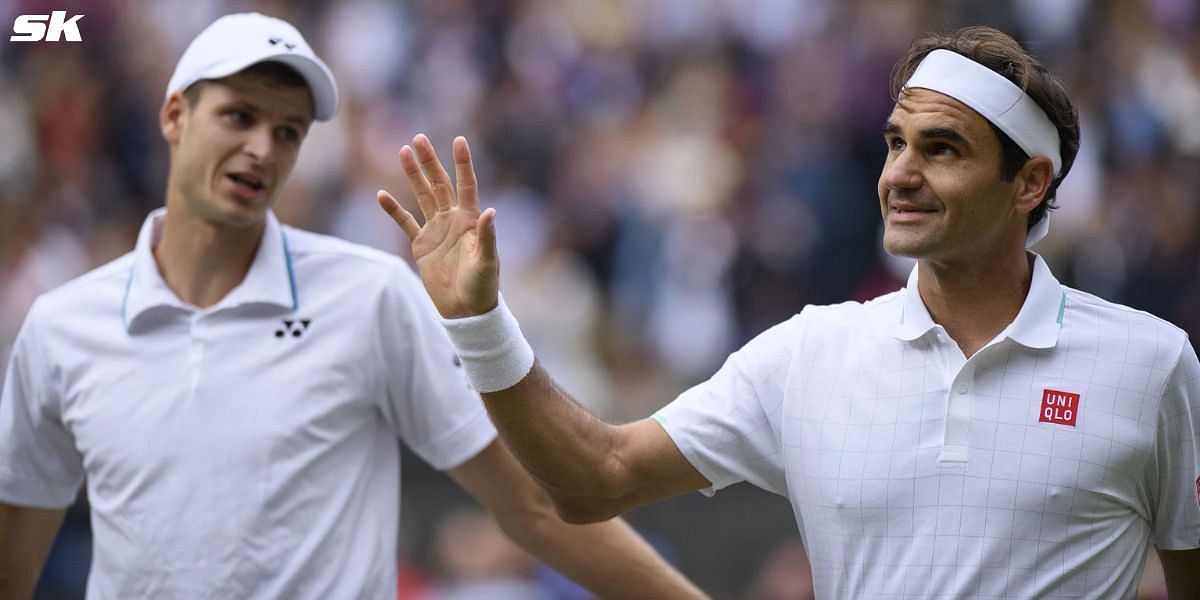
[485, 231]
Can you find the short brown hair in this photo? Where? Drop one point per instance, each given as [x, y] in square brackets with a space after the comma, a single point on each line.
[999, 52]
[270, 72]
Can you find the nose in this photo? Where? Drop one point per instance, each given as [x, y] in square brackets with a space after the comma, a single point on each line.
[902, 171]
[260, 144]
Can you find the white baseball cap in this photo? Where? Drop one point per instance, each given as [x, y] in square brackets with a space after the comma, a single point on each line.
[234, 42]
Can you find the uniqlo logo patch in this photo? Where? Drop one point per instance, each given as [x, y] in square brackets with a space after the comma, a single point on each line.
[1059, 408]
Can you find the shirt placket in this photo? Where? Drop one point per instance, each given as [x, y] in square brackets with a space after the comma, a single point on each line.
[960, 383]
[196, 347]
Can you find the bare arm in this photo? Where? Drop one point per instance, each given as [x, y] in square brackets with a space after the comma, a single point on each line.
[608, 558]
[25, 538]
[591, 469]
[1181, 568]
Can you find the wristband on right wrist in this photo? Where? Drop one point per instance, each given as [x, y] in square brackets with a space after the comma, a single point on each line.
[491, 347]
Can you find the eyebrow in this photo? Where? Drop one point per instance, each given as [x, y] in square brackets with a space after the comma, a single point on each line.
[251, 107]
[932, 133]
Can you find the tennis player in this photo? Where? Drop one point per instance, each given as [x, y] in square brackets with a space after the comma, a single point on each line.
[233, 390]
[983, 432]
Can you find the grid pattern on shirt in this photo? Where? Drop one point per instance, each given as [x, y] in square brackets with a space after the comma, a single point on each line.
[1036, 509]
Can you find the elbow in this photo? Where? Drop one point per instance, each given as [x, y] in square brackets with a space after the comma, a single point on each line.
[533, 520]
[583, 510]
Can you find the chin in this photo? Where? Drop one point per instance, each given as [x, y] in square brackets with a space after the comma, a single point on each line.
[247, 213]
[907, 246]
[238, 216]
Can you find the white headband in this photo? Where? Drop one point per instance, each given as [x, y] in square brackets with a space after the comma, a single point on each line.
[999, 101]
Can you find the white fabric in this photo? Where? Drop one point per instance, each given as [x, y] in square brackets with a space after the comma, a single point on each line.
[993, 96]
[234, 42]
[227, 455]
[914, 472]
[493, 351]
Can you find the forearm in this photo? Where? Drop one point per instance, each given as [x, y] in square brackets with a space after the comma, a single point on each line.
[1181, 569]
[570, 450]
[26, 535]
[608, 558]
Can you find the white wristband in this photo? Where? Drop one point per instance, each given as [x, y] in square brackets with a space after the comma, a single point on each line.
[491, 347]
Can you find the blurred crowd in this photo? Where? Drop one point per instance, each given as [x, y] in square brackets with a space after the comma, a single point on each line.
[671, 176]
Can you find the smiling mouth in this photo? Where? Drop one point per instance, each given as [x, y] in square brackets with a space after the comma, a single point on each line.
[908, 214]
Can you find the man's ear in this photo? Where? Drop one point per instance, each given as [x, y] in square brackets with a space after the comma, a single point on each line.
[1033, 181]
[171, 117]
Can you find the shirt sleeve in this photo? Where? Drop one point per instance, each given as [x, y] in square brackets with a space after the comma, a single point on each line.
[39, 464]
[429, 400]
[1177, 458]
[729, 426]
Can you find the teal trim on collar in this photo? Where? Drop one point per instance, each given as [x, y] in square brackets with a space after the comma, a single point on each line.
[262, 283]
[1031, 327]
[912, 327]
[125, 298]
[287, 258]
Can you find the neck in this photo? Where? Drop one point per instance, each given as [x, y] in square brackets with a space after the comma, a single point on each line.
[975, 300]
[201, 261]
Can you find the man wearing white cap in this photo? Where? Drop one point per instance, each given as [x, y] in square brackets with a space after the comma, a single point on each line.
[983, 432]
[233, 389]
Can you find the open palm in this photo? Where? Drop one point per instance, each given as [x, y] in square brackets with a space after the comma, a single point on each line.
[456, 248]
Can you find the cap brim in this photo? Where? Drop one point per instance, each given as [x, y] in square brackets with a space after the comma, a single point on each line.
[315, 73]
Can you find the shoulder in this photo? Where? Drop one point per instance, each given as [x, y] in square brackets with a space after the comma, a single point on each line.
[1118, 333]
[1111, 320]
[815, 323]
[353, 274]
[93, 298]
[336, 261]
[853, 317]
[99, 289]
[307, 246]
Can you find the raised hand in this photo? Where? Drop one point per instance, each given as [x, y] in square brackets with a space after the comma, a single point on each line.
[456, 249]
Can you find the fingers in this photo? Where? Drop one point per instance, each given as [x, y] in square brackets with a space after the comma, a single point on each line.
[416, 180]
[485, 232]
[464, 174]
[439, 179]
[408, 223]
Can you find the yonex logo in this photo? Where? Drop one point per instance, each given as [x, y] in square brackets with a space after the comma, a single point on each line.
[32, 28]
[293, 328]
[1059, 408]
[274, 41]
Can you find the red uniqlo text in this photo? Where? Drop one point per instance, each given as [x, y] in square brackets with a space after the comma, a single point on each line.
[1059, 407]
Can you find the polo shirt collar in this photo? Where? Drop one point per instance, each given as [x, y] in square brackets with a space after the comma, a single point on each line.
[1036, 325]
[270, 279]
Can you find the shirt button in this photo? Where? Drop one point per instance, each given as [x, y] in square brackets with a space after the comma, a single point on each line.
[962, 388]
[941, 339]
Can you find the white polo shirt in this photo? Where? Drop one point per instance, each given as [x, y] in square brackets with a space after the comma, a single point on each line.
[246, 450]
[1038, 468]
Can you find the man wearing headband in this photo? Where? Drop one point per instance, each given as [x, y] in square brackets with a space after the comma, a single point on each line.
[233, 389]
[983, 432]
